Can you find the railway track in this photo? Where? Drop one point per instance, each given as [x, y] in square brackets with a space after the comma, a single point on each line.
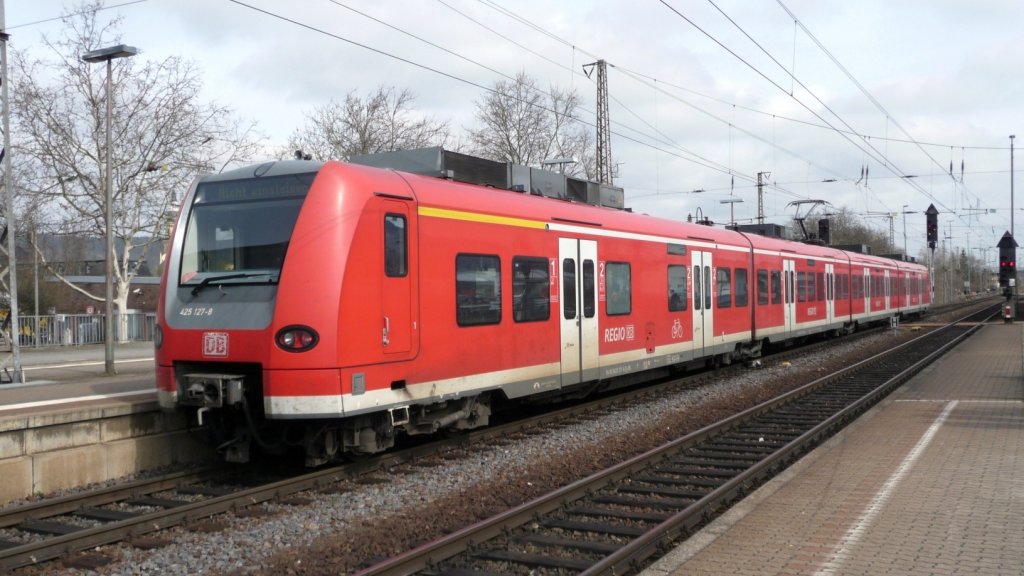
[56, 528]
[614, 521]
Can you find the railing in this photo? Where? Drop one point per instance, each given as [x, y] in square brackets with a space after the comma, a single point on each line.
[79, 329]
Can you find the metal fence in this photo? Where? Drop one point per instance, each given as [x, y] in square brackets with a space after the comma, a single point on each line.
[78, 329]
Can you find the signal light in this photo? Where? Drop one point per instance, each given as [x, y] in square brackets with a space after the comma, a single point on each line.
[296, 338]
[932, 225]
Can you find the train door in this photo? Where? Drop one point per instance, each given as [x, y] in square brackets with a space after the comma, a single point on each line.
[789, 294]
[703, 295]
[887, 287]
[578, 297]
[398, 318]
[830, 295]
[868, 288]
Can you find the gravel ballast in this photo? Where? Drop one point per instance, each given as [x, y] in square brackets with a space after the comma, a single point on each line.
[339, 532]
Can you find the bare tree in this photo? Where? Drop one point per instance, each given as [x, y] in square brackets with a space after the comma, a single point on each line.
[520, 123]
[381, 122]
[849, 229]
[163, 135]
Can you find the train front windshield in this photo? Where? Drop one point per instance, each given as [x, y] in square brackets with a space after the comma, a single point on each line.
[238, 230]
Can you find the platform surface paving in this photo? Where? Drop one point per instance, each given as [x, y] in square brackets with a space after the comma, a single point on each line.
[929, 482]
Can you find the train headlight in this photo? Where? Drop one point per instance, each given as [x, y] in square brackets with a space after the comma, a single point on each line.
[296, 338]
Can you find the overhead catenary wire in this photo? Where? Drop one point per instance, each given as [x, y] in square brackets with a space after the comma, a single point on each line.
[882, 158]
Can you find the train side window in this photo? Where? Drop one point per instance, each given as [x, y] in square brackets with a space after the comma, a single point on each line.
[762, 287]
[723, 287]
[589, 307]
[707, 287]
[697, 288]
[619, 295]
[821, 286]
[741, 287]
[396, 249]
[569, 288]
[801, 286]
[776, 287]
[478, 289]
[530, 292]
[676, 288]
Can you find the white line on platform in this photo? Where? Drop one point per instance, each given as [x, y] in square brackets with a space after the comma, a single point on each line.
[77, 364]
[853, 536]
[39, 403]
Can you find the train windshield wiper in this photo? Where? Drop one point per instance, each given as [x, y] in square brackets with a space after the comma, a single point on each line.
[213, 280]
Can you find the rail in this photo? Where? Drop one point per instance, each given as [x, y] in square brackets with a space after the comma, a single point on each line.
[630, 512]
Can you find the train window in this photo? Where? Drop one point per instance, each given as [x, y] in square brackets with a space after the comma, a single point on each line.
[741, 287]
[812, 287]
[530, 292]
[238, 231]
[821, 286]
[762, 287]
[589, 305]
[723, 287]
[569, 288]
[676, 288]
[801, 286]
[776, 287]
[707, 287]
[619, 295]
[396, 249]
[696, 288]
[478, 289]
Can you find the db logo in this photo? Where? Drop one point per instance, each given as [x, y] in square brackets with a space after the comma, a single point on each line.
[215, 343]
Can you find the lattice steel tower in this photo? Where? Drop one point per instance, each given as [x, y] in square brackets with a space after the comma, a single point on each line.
[604, 133]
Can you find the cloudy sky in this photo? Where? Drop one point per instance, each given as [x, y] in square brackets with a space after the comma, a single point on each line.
[704, 94]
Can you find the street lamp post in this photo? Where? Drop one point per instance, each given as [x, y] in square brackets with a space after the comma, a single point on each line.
[107, 55]
[8, 183]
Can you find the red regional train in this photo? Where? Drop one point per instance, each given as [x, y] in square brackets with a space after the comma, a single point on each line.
[333, 306]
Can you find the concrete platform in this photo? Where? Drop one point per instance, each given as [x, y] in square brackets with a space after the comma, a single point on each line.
[930, 481]
[70, 424]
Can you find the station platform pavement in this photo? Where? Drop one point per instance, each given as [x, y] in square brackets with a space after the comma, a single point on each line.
[68, 378]
[929, 481]
[88, 358]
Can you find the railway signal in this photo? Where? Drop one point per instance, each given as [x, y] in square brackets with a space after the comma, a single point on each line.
[932, 221]
[1007, 260]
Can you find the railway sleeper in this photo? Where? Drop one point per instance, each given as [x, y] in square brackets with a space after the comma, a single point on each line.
[106, 515]
[679, 480]
[711, 462]
[589, 546]
[642, 502]
[699, 472]
[746, 446]
[727, 453]
[595, 527]
[620, 514]
[533, 559]
[661, 491]
[49, 528]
